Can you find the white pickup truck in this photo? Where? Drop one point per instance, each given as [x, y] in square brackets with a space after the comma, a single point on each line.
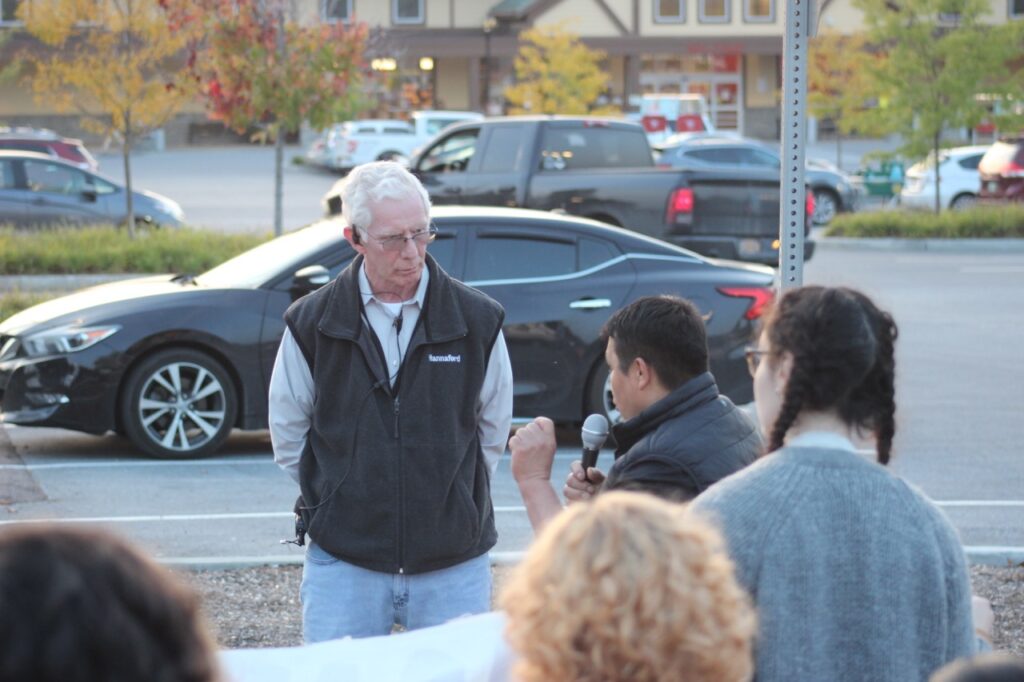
[346, 145]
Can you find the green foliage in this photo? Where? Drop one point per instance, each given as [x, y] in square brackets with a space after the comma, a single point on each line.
[107, 250]
[932, 58]
[13, 302]
[981, 222]
[557, 74]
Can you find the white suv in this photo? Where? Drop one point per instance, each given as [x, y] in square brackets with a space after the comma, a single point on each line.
[346, 145]
[958, 173]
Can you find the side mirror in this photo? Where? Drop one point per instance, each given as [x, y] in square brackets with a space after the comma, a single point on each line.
[309, 278]
[89, 194]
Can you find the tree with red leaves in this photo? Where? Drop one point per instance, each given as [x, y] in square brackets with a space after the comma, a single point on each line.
[256, 66]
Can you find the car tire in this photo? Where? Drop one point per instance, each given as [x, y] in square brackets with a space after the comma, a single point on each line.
[393, 156]
[599, 394]
[826, 206]
[159, 413]
[963, 201]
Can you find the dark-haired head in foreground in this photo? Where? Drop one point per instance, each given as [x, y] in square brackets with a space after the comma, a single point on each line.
[81, 605]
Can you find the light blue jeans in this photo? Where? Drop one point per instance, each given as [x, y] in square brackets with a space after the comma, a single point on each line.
[342, 600]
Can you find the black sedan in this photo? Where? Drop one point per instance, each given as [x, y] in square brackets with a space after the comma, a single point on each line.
[174, 362]
[834, 190]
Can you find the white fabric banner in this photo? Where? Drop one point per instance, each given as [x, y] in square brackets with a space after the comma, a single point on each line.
[470, 649]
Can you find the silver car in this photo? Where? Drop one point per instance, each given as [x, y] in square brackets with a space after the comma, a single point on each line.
[37, 190]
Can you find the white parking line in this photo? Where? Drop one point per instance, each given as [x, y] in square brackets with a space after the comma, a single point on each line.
[976, 554]
[137, 463]
[502, 509]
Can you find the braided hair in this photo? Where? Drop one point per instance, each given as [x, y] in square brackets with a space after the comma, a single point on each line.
[843, 360]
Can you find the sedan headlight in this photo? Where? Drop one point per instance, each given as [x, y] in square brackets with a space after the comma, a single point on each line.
[171, 208]
[63, 340]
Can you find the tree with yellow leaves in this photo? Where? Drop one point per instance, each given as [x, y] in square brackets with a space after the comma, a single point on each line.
[838, 83]
[557, 74]
[113, 61]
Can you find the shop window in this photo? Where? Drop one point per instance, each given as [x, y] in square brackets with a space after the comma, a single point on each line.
[1016, 9]
[8, 11]
[714, 11]
[669, 11]
[407, 11]
[759, 11]
[337, 10]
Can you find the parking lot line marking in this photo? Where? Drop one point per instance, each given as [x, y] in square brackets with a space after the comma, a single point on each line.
[135, 463]
[156, 517]
[150, 518]
[976, 554]
[979, 503]
[992, 269]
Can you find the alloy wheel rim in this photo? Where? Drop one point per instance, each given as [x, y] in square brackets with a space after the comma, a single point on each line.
[182, 406]
[614, 416]
[824, 208]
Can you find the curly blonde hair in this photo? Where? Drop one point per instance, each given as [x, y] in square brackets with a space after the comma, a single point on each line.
[628, 587]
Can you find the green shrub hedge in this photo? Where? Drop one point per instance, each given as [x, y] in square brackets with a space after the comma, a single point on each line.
[980, 222]
[109, 250]
[15, 301]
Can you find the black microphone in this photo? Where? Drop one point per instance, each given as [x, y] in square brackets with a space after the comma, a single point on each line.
[593, 435]
[398, 322]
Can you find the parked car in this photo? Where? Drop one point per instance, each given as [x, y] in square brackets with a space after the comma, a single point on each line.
[37, 190]
[834, 190]
[174, 362]
[346, 145]
[958, 179]
[1001, 171]
[603, 169]
[50, 143]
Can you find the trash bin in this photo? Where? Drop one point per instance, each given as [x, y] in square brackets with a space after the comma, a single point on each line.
[881, 179]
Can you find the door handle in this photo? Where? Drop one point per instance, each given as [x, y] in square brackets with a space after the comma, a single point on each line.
[590, 304]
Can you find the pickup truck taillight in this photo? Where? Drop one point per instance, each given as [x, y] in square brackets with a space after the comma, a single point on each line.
[759, 297]
[680, 206]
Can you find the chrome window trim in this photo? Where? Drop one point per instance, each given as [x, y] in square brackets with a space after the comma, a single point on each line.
[582, 273]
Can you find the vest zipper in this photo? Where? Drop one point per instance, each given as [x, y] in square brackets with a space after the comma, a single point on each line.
[401, 498]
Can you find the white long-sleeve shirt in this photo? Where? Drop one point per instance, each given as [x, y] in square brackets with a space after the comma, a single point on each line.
[292, 391]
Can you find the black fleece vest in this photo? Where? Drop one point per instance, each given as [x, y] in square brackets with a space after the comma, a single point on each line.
[394, 479]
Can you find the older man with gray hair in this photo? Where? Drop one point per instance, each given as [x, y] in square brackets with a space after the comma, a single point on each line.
[390, 403]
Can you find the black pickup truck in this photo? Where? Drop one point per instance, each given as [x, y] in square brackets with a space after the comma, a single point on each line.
[602, 169]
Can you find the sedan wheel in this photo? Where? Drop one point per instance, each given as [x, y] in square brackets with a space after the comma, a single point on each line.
[825, 206]
[177, 404]
[599, 394]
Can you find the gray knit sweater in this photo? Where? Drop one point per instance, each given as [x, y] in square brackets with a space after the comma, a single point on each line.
[855, 574]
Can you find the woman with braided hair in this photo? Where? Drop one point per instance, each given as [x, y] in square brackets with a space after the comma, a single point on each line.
[856, 575]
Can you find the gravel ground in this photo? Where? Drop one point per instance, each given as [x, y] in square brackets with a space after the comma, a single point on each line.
[259, 607]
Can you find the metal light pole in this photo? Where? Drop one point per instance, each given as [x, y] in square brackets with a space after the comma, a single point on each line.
[489, 25]
[800, 23]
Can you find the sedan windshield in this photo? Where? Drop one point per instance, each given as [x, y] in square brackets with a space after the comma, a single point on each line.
[258, 265]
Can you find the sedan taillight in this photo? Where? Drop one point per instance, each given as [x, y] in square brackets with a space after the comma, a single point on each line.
[809, 204]
[759, 297]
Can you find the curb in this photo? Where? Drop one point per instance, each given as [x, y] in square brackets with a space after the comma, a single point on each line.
[66, 283]
[938, 245]
[977, 555]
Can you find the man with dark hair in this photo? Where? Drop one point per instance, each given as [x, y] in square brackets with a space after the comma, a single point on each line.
[677, 435]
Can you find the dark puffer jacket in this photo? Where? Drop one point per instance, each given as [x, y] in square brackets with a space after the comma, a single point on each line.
[683, 443]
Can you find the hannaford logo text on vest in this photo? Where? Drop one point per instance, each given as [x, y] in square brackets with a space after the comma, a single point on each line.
[444, 358]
